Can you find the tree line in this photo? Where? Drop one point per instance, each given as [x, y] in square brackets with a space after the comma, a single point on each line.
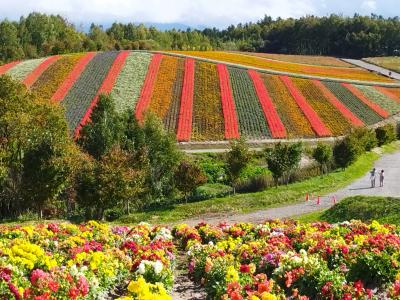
[40, 35]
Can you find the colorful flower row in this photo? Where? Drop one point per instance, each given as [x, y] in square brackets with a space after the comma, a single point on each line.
[35, 74]
[105, 87]
[274, 122]
[145, 95]
[393, 94]
[85, 88]
[286, 260]
[328, 113]
[72, 77]
[208, 123]
[269, 64]
[163, 87]
[305, 59]
[184, 129]
[91, 261]
[252, 123]
[172, 115]
[228, 105]
[316, 123]
[292, 117]
[47, 84]
[128, 85]
[21, 70]
[6, 67]
[351, 118]
[375, 107]
[357, 107]
[388, 104]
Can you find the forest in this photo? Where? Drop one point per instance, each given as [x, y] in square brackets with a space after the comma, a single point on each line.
[38, 35]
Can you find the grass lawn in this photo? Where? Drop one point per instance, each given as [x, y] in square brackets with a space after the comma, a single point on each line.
[273, 197]
[389, 62]
[364, 208]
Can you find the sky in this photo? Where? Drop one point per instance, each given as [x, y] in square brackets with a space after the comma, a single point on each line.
[210, 13]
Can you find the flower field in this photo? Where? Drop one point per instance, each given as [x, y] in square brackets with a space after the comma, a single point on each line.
[205, 101]
[284, 260]
[274, 260]
[269, 64]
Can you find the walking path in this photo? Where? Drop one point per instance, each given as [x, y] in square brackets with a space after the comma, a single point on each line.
[372, 67]
[389, 162]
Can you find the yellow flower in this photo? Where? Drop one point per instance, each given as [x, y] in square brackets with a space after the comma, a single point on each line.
[268, 296]
[231, 274]
[253, 297]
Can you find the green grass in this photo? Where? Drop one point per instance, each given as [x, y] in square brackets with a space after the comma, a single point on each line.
[273, 197]
[364, 208]
[390, 62]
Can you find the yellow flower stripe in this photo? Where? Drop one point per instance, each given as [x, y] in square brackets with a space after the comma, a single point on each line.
[208, 123]
[263, 63]
[332, 118]
[295, 122]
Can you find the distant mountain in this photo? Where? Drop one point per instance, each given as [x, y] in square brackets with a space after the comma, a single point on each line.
[160, 26]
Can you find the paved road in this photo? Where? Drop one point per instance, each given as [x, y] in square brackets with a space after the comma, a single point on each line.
[373, 67]
[389, 162]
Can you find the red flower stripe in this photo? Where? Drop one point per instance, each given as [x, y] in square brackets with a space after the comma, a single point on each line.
[185, 114]
[143, 102]
[274, 121]
[62, 91]
[375, 107]
[35, 74]
[352, 118]
[316, 124]
[388, 93]
[105, 87]
[6, 67]
[228, 105]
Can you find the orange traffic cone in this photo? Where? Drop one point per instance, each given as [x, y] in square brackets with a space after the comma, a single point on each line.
[307, 197]
[334, 199]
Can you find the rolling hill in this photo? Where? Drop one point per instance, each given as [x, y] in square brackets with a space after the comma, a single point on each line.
[214, 96]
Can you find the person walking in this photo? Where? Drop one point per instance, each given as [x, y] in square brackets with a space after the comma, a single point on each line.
[373, 177]
[381, 178]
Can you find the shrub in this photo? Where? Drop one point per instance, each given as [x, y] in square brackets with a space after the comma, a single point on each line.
[323, 155]
[365, 137]
[188, 177]
[346, 151]
[385, 134]
[237, 159]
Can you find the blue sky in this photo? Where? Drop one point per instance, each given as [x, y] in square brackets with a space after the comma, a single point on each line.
[219, 13]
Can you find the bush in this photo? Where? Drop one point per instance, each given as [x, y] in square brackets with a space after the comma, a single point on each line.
[255, 184]
[365, 137]
[346, 151]
[398, 130]
[323, 155]
[385, 134]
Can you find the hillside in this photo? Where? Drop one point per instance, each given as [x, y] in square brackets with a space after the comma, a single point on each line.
[216, 95]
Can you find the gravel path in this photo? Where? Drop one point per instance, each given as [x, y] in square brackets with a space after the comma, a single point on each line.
[389, 162]
[374, 68]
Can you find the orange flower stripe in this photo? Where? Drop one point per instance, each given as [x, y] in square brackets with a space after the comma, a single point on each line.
[316, 123]
[186, 110]
[228, 104]
[35, 74]
[105, 87]
[375, 107]
[328, 113]
[147, 89]
[274, 122]
[64, 88]
[352, 118]
[163, 86]
[393, 94]
[269, 64]
[6, 67]
[208, 123]
[294, 120]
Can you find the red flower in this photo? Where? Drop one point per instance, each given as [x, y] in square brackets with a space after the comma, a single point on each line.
[244, 268]
[347, 296]
[53, 286]
[83, 285]
[73, 293]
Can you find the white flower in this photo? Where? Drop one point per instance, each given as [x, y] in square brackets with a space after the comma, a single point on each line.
[158, 267]
[142, 267]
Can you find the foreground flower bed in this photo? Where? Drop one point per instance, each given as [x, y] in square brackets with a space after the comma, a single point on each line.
[284, 260]
[92, 261]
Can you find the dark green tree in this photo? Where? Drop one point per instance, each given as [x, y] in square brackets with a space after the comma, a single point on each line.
[236, 161]
[188, 177]
[323, 155]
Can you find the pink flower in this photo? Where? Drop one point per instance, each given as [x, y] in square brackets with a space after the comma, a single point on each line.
[83, 285]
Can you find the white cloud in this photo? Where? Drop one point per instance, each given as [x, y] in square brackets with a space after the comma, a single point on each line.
[369, 6]
[191, 12]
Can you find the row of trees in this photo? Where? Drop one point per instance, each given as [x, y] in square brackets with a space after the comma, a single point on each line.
[359, 36]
